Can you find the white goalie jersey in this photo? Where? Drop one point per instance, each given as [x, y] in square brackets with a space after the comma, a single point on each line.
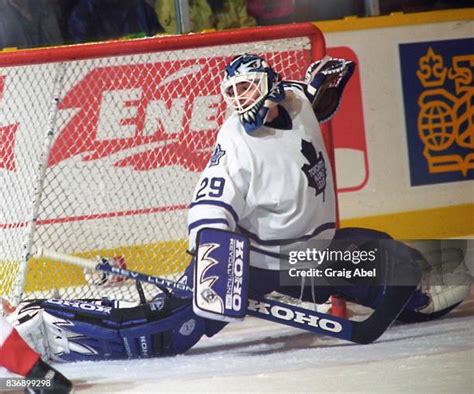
[274, 185]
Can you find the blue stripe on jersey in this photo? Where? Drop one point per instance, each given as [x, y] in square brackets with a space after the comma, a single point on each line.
[276, 242]
[198, 223]
[301, 86]
[218, 204]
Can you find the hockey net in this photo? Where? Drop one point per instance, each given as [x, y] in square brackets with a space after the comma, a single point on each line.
[101, 146]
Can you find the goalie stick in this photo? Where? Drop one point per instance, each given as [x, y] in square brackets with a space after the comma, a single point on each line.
[103, 265]
[362, 332]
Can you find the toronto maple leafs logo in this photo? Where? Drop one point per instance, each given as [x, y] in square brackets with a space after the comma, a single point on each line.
[315, 171]
[216, 155]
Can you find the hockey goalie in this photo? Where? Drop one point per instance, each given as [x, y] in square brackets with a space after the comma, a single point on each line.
[266, 194]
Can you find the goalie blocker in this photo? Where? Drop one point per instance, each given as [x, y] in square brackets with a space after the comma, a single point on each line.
[78, 330]
[221, 275]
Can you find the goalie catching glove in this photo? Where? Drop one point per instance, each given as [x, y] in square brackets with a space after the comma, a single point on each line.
[326, 79]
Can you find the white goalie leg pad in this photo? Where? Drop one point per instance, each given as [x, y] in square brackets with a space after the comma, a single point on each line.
[28, 320]
[442, 297]
[56, 336]
[447, 281]
[45, 333]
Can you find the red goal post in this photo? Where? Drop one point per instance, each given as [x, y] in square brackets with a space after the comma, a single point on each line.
[101, 146]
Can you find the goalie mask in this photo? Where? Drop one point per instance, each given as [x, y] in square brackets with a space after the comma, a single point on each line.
[251, 88]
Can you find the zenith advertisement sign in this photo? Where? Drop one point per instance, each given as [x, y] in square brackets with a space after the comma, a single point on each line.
[157, 114]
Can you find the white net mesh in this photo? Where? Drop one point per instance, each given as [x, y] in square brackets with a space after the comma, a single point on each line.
[131, 135]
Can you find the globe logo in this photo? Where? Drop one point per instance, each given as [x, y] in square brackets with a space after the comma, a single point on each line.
[436, 125]
[439, 108]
